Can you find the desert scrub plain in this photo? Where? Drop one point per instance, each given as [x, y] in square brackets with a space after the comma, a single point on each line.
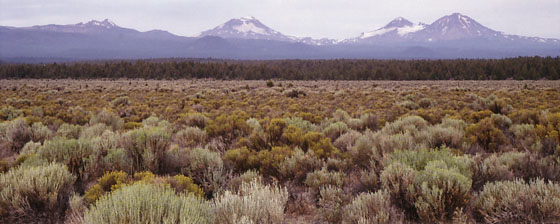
[205, 151]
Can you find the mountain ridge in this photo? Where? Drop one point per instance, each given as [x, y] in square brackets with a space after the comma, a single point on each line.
[451, 36]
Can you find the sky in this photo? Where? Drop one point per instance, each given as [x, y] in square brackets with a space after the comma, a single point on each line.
[336, 19]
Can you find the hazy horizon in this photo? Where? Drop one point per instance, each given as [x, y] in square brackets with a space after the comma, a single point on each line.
[313, 18]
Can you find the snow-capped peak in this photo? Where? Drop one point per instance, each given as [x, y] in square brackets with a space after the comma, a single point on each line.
[398, 22]
[247, 18]
[91, 26]
[399, 26]
[105, 23]
[252, 25]
[247, 27]
[457, 26]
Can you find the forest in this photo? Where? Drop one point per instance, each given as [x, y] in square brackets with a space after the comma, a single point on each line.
[278, 151]
[521, 68]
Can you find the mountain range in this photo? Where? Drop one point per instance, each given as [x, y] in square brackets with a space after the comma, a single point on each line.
[452, 36]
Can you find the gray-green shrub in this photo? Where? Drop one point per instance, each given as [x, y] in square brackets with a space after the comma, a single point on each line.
[147, 203]
[412, 124]
[321, 178]
[335, 130]
[331, 204]
[190, 137]
[298, 165]
[196, 120]
[519, 202]
[16, 134]
[371, 208]
[79, 156]
[428, 184]
[146, 147]
[35, 194]
[69, 131]
[347, 140]
[92, 131]
[495, 168]
[108, 118]
[253, 203]
[205, 167]
[40, 132]
[303, 125]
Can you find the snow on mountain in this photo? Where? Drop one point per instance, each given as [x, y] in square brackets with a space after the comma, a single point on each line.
[91, 26]
[411, 29]
[318, 42]
[451, 36]
[397, 27]
[251, 28]
[448, 28]
[246, 28]
[104, 28]
[105, 23]
[456, 26]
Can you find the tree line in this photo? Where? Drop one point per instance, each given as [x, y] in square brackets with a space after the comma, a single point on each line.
[340, 69]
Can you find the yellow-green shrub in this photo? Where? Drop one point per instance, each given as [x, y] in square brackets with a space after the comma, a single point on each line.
[228, 126]
[185, 184]
[241, 159]
[132, 125]
[111, 181]
[293, 136]
[4, 166]
[275, 129]
[324, 148]
[266, 161]
[485, 134]
[144, 177]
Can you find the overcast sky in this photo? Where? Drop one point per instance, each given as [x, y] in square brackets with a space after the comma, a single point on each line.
[315, 18]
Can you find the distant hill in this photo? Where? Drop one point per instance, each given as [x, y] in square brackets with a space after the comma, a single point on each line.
[452, 36]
